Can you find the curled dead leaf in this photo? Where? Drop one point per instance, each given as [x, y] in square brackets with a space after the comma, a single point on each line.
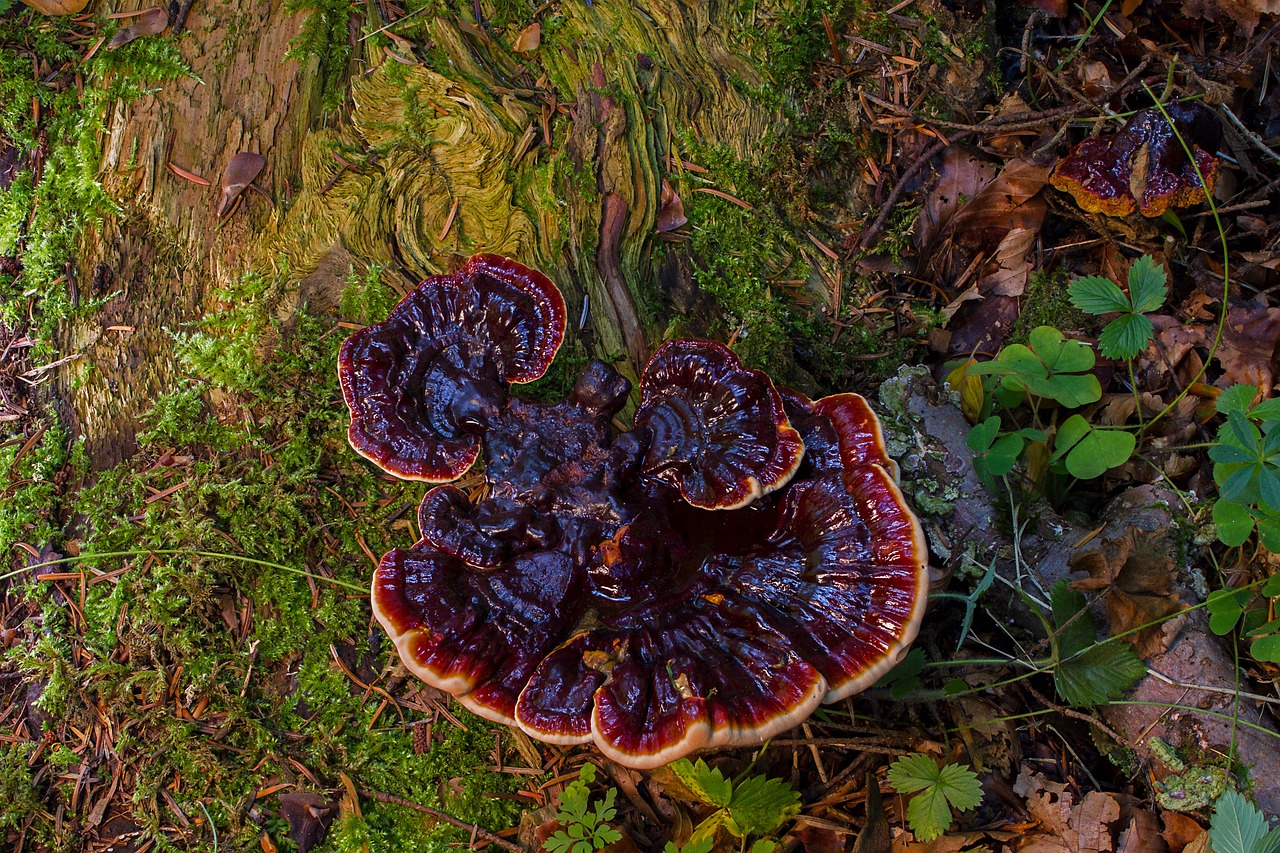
[239, 175]
[671, 213]
[1136, 571]
[529, 40]
[152, 22]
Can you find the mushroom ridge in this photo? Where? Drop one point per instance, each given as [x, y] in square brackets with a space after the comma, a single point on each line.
[592, 595]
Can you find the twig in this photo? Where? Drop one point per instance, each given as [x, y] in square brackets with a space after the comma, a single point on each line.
[447, 818]
[1074, 714]
[871, 234]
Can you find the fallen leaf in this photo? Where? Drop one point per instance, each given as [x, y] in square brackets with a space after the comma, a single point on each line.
[1246, 13]
[1009, 278]
[1249, 342]
[241, 169]
[671, 213]
[308, 815]
[152, 22]
[530, 38]
[1180, 830]
[1136, 571]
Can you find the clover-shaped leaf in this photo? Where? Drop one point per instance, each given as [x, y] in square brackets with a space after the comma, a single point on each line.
[1050, 365]
[1091, 451]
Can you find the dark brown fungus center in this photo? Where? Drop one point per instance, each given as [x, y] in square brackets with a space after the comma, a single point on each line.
[705, 579]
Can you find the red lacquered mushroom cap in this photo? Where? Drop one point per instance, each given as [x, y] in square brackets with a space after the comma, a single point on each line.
[422, 384]
[584, 600]
[717, 431]
[1145, 167]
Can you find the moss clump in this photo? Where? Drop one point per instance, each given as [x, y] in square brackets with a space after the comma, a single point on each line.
[41, 220]
[1047, 303]
[325, 34]
[213, 651]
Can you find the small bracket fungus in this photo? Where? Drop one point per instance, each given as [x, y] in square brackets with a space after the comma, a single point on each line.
[1144, 167]
[705, 579]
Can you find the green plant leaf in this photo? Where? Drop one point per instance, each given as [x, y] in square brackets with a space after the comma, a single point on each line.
[1266, 648]
[1229, 454]
[904, 679]
[1094, 294]
[1004, 454]
[1125, 337]
[961, 787]
[1267, 410]
[1237, 398]
[760, 805]
[1238, 826]
[1225, 607]
[1059, 353]
[1099, 674]
[1242, 430]
[1072, 633]
[929, 815]
[1090, 451]
[982, 435]
[940, 790]
[705, 783]
[1147, 284]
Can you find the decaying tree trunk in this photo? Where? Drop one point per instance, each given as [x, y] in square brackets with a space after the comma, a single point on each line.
[163, 256]
[554, 158]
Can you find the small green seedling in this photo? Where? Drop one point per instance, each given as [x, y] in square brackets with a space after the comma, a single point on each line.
[1051, 367]
[585, 826]
[755, 805]
[941, 789]
[1246, 468]
[1128, 334]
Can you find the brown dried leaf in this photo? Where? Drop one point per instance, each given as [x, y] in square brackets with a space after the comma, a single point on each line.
[1137, 571]
[309, 815]
[152, 22]
[530, 38]
[1248, 351]
[1009, 278]
[1180, 830]
[961, 174]
[1246, 13]
[241, 169]
[671, 213]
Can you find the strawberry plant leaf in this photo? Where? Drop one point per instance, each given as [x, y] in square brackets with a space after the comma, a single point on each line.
[1099, 674]
[1147, 285]
[1094, 294]
[706, 783]
[1237, 398]
[760, 805]
[1238, 826]
[1125, 337]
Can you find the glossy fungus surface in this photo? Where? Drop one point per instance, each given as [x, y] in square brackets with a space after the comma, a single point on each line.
[1145, 167]
[708, 578]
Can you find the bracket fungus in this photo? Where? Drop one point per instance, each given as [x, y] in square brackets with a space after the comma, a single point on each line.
[706, 579]
[1144, 167]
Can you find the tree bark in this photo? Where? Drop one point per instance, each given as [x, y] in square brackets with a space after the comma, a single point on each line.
[554, 158]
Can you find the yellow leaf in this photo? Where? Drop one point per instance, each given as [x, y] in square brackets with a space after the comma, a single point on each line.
[969, 387]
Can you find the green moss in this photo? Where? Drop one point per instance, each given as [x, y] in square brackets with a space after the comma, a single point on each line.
[42, 221]
[256, 581]
[19, 800]
[325, 35]
[1047, 303]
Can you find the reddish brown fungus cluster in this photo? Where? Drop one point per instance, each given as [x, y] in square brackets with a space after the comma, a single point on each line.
[705, 579]
[1145, 166]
